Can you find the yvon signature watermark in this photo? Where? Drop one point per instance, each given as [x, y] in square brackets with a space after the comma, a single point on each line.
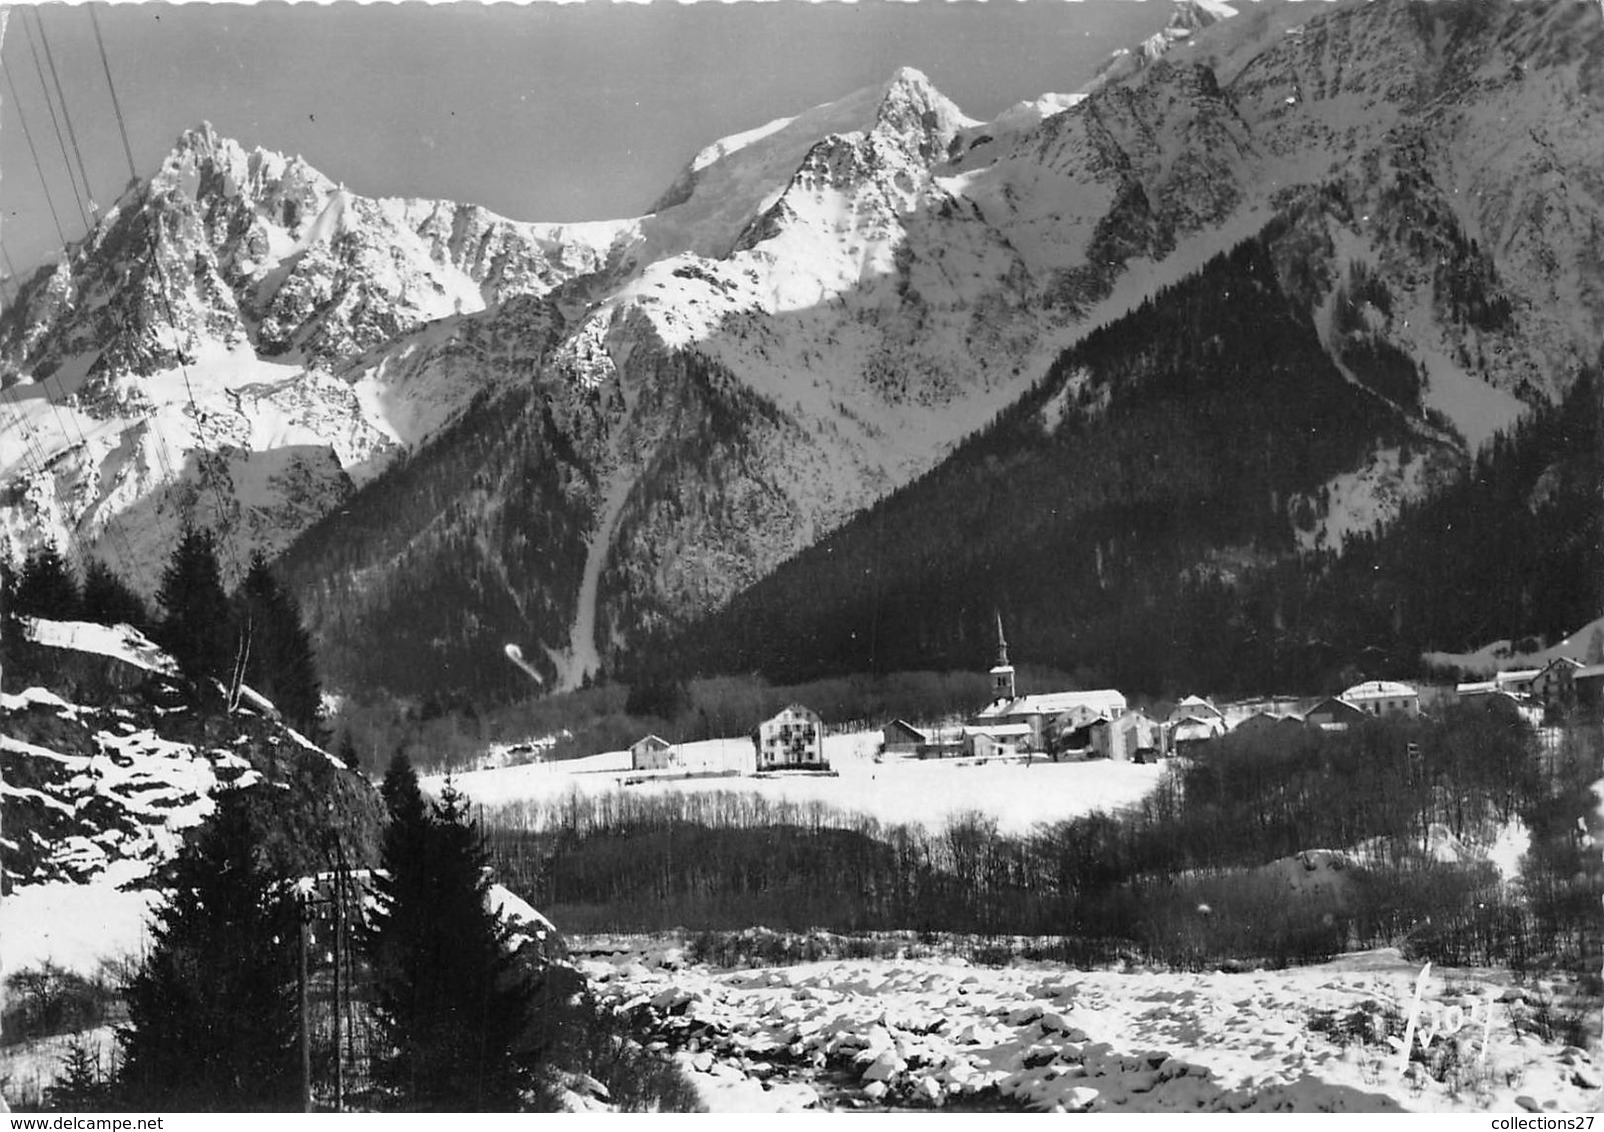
[1428, 1021]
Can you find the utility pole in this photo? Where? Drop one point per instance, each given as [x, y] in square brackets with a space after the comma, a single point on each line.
[306, 1032]
[339, 952]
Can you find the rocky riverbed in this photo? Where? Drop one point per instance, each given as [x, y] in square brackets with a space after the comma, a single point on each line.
[943, 1033]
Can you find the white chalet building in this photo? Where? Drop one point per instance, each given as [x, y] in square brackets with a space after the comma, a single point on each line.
[1383, 697]
[792, 740]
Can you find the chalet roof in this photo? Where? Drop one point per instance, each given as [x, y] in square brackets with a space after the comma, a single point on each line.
[1487, 689]
[1197, 702]
[1378, 689]
[903, 725]
[1261, 718]
[1104, 701]
[655, 740]
[1339, 705]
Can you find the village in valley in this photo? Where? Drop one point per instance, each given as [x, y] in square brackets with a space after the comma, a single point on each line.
[1085, 725]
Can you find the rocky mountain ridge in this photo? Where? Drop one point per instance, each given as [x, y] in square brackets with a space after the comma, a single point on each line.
[815, 312]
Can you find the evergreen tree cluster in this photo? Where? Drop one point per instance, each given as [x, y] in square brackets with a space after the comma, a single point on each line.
[453, 1002]
[256, 636]
[45, 585]
[213, 1021]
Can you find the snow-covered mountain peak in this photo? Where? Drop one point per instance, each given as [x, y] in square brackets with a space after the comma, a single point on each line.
[728, 184]
[1194, 15]
[203, 162]
[923, 118]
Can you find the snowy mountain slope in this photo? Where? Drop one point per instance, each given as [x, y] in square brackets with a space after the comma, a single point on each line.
[856, 288]
[107, 764]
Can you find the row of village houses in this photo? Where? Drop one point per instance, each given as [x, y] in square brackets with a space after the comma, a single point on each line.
[1101, 724]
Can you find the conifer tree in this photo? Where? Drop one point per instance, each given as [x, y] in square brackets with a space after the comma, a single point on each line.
[46, 586]
[345, 750]
[109, 600]
[280, 662]
[211, 1012]
[82, 1087]
[452, 1002]
[195, 627]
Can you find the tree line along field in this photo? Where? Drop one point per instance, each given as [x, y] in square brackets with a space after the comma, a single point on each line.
[1194, 876]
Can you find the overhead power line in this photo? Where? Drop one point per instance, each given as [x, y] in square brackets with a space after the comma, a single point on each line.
[133, 174]
[72, 178]
[33, 150]
[66, 116]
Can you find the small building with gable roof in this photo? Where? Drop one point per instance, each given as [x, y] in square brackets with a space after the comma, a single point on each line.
[1133, 736]
[1555, 685]
[1333, 714]
[997, 740]
[899, 737]
[652, 752]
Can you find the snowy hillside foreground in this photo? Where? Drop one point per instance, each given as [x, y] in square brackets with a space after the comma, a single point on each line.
[912, 1033]
[109, 795]
[896, 790]
[116, 774]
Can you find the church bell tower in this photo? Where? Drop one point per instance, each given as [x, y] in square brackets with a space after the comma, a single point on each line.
[1002, 673]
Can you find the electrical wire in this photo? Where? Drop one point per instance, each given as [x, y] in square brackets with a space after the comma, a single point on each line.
[27, 133]
[133, 174]
[72, 178]
[83, 171]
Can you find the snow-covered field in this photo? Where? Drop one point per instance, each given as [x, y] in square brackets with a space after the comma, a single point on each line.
[74, 926]
[893, 789]
[939, 1032]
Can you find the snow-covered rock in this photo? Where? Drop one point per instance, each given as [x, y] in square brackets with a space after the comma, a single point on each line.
[1160, 1041]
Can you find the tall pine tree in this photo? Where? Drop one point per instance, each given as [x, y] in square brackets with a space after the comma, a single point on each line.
[453, 1004]
[211, 1013]
[195, 625]
[279, 661]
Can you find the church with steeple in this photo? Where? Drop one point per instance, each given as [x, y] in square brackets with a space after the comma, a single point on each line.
[1011, 722]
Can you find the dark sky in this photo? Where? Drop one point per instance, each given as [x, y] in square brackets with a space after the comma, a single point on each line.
[540, 111]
